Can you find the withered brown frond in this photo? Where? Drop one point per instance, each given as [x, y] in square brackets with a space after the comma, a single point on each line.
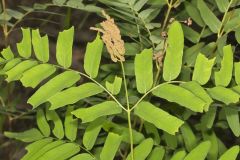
[112, 38]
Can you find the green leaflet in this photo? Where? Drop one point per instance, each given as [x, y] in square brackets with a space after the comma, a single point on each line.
[34, 147]
[92, 57]
[232, 24]
[59, 2]
[58, 126]
[196, 89]
[190, 54]
[2, 61]
[157, 153]
[181, 96]
[230, 154]
[170, 140]
[202, 69]
[111, 146]
[189, 138]
[91, 133]
[222, 5]
[147, 13]
[53, 86]
[233, 119]
[190, 34]
[16, 72]
[208, 118]
[14, 13]
[114, 87]
[75, 4]
[144, 70]
[70, 124]
[179, 155]
[224, 75]
[139, 4]
[132, 2]
[185, 74]
[7, 53]
[236, 89]
[99, 110]
[173, 59]
[237, 72]
[25, 46]
[63, 151]
[224, 95]
[131, 48]
[158, 117]
[199, 152]
[40, 46]
[45, 149]
[123, 131]
[152, 131]
[208, 16]
[221, 42]
[26, 136]
[74, 94]
[141, 151]
[83, 156]
[10, 65]
[212, 138]
[64, 47]
[42, 123]
[193, 13]
[237, 35]
[36, 74]
[221, 147]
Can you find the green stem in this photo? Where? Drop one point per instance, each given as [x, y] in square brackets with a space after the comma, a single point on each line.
[163, 28]
[125, 85]
[202, 31]
[220, 31]
[5, 29]
[167, 15]
[22, 115]
[67, 18]
[17, 22]
[83, 21]
[128, 112]
[157, 76]
[158, 64]
[130, 133]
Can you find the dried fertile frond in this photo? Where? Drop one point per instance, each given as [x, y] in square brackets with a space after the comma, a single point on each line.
[112, 38]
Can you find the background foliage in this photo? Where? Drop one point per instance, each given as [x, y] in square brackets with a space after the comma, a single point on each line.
[176, 95]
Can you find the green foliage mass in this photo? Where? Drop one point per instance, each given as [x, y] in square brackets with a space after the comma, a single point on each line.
[175, 97]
